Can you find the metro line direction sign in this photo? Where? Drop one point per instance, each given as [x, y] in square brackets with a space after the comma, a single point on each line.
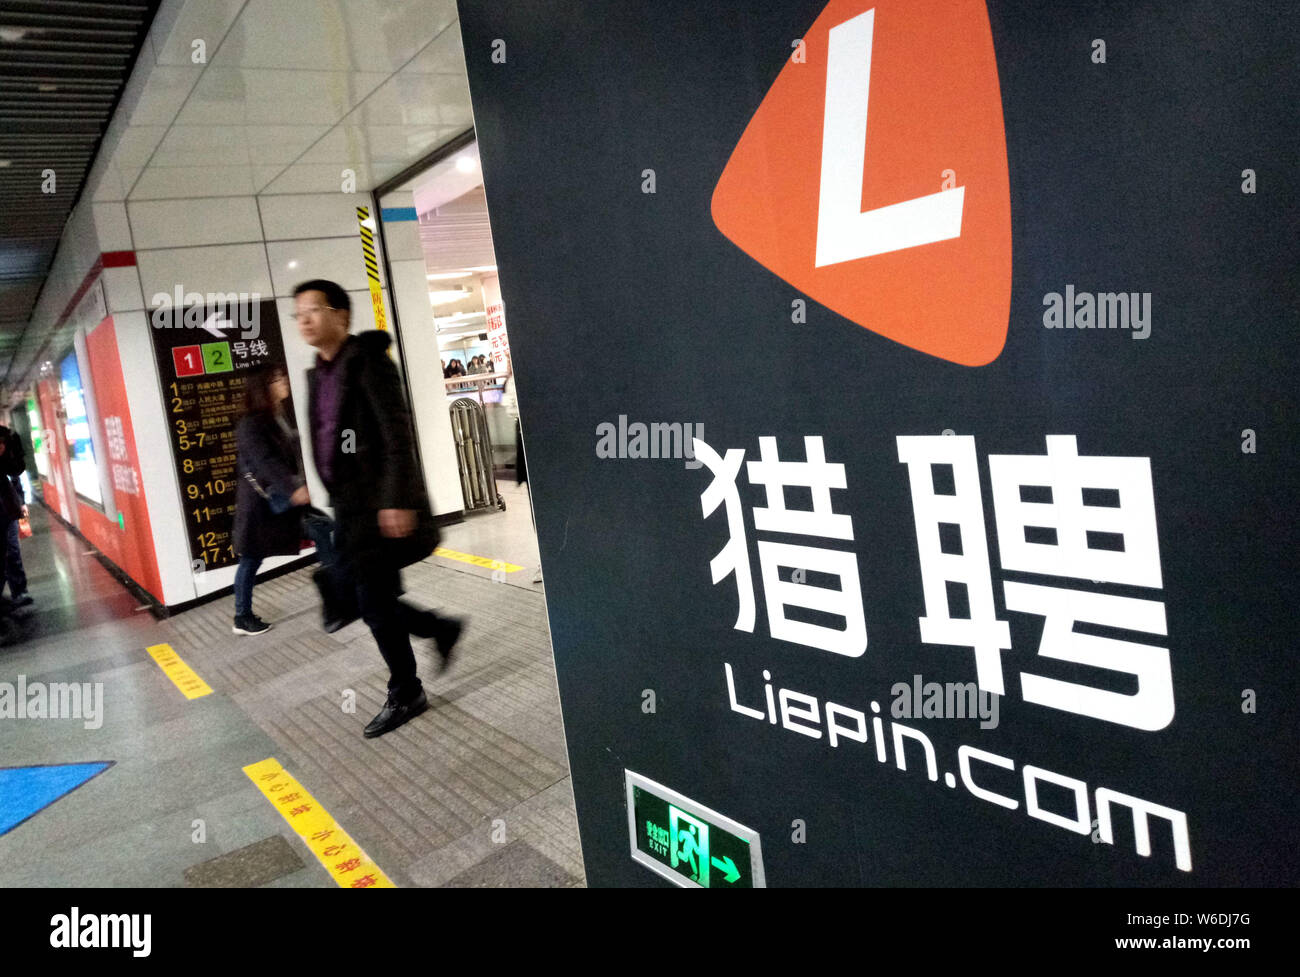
[687, 843]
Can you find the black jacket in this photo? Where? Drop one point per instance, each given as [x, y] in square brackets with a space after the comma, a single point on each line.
[11, 503]
[272, 456]
[374, 465]
[12, 464]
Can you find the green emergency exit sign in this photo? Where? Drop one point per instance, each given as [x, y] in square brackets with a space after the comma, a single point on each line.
[688, 843]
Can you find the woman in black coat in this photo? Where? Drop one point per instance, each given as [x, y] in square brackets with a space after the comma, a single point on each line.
[271, 488]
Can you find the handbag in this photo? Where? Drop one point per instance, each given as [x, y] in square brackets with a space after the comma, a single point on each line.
[423, 540]
[278, 501]
[24, 528]
[362, 541]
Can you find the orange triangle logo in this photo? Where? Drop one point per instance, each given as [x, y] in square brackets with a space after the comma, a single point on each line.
[873, 176]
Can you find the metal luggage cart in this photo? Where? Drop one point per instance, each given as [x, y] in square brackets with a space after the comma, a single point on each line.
[474, 456]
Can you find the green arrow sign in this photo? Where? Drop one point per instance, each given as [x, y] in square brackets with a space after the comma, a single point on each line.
[730, 872]
[688, 843]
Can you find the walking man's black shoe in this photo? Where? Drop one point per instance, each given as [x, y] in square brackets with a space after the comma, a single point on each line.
[448, 634]
[330, 625]
[337, 611]
[394, 714]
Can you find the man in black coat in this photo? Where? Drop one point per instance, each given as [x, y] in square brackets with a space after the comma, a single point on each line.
[364, 450]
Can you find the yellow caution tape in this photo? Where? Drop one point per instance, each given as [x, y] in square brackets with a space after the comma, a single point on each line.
[478, 561]
[186, 679]
[342, 857]
[372, 265]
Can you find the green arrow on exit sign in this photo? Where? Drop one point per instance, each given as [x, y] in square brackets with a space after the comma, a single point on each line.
[687, 843]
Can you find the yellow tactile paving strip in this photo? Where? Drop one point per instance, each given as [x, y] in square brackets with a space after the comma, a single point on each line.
[174, 667]
[342, 857]
[479, 561]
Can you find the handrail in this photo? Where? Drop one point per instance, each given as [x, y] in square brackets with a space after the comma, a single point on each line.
[475, 377]
[474, 383]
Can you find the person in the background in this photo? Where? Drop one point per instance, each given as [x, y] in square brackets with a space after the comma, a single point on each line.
[12, 464]
[271, 487]
[364, 449]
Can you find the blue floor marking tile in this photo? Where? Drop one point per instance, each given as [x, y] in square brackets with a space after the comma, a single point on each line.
[26, 791]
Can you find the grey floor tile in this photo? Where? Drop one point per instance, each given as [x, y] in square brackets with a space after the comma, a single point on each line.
[421, 801]
[253, 865]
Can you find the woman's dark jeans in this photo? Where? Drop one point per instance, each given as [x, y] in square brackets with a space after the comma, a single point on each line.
[319, 529]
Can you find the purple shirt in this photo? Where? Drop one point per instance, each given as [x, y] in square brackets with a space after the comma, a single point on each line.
[328, 398]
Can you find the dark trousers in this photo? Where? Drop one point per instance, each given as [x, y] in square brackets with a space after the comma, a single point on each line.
[15, 576]
[378, 584]
[245, 577]
[316, 525]
[319, 528]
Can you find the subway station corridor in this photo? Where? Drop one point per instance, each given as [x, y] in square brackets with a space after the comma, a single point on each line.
[653, 444]
[474, 792]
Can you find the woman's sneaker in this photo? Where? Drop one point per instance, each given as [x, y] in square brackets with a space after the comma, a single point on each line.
[250, 624]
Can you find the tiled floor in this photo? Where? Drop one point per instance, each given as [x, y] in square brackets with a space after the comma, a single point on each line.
[475, 792]
[502, 535]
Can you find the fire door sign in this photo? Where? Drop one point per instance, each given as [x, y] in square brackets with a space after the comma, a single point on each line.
[687, 843]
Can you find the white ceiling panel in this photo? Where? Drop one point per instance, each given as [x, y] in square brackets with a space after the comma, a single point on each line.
[317, 178]
[444, 55]
[314, 215]
[417, 99]
[114, 181]
[264, 175]
[170, 182]
[356, 35]
[267, 96]
[271, 145]
[375, 154]
[136, 144]
[160, 97]
[292, 95]
[349, 145]
[179, 25]
[412, 113]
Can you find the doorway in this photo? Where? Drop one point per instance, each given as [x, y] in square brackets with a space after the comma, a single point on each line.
[466, 320]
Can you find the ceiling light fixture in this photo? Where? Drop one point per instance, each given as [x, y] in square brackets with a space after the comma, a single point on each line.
[446, 296]
[466, 164]
[293, 264]
[443, 276]
[484, 269]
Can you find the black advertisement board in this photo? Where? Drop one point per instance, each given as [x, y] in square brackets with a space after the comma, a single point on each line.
[980, 321]
[203, 354]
